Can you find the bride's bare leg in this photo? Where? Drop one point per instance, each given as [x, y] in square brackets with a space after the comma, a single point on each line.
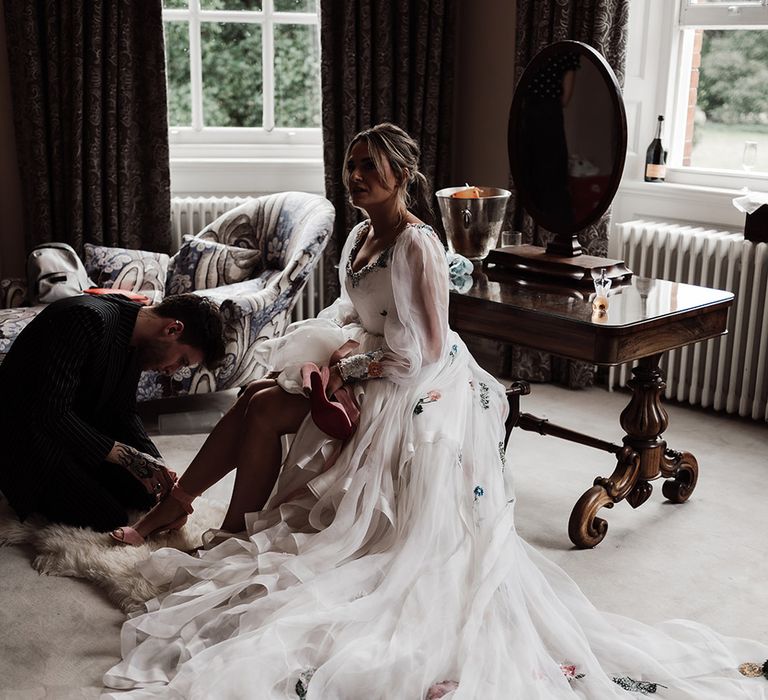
[271, 414]
[216, 458]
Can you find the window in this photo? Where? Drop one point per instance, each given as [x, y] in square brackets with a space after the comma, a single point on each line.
[243, 83]
[720, 97]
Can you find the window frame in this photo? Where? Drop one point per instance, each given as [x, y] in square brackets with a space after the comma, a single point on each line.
[689, 17]
[242, 160]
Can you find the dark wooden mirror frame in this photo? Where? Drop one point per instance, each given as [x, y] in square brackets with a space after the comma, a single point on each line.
[566, 242]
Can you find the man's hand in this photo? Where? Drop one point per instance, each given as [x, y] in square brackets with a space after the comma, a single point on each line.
[156, 478]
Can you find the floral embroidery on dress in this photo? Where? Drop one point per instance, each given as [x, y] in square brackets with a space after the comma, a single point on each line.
[754, 670]
[630, 684]
[303, 683]
[484, 401]
[569, 671]
[375, 369]
[454, 351]
[440, 689]
[479, 491]
[431, 397]
[502, 456]
[365, 365]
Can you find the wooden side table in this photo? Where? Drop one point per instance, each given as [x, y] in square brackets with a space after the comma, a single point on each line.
[645, 318]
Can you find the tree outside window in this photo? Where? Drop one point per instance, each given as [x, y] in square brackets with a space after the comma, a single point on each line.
[728, 104]
[242, 64]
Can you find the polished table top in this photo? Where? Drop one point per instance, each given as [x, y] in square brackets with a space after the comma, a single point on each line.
[644, 316]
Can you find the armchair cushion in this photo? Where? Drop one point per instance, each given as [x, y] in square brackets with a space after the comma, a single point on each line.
[205, 264]
[287, 233]
[130, 270]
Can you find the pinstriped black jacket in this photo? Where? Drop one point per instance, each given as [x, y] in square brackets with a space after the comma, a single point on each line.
[67, 393]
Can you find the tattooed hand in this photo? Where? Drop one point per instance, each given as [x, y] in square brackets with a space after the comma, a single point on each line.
[156, 478]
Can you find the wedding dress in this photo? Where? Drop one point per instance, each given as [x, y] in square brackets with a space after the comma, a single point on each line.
[400, 567]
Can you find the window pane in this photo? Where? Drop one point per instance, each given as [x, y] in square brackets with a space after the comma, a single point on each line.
[730, 105]
[232, 75]
[172, 4]
[230, 4]
[295, 5]
[297, 76]
[177, 73]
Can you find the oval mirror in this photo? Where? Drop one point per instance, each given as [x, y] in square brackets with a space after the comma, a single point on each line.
[567, 140]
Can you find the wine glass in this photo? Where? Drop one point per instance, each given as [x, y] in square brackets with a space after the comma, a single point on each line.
[749, 159]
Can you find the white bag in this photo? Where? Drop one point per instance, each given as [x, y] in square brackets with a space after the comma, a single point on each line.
[54, 271]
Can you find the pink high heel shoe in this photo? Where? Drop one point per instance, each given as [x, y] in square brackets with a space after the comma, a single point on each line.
[129, 535]
[337, 418]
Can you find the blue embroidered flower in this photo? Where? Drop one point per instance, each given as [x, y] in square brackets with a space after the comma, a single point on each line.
[479, 491]
[484, 402]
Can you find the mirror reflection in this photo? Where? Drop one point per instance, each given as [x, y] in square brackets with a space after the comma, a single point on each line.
[567, 137]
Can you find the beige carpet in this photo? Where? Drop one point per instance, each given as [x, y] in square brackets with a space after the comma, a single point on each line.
[61, 550]
[702, 560]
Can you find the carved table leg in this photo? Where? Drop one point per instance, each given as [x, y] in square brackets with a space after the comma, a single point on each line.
[584, 527]
[645, 457]
[682, 470]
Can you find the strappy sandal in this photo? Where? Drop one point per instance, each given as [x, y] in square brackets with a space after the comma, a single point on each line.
[331, 416]
[131, 536]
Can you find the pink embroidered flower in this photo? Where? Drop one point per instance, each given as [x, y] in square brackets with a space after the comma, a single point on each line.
[442, 688]
[434, 395]
[375, 369]
[569, 670]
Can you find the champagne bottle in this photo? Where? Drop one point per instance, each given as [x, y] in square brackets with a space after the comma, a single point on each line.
[656, 157]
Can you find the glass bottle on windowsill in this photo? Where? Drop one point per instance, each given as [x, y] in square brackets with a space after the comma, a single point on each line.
[656, 157]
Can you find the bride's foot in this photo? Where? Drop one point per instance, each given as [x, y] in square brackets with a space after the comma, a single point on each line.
[439, 689]
[170, 514]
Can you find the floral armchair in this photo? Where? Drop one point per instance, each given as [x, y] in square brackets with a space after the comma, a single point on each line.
[254, 261]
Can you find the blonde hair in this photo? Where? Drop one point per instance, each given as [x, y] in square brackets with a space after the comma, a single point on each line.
[389, 142]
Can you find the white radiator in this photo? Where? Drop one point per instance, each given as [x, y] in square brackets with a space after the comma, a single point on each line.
[190, 215]
[728, 373]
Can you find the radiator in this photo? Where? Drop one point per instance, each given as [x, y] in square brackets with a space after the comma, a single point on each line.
[189, 215]
[729, 373]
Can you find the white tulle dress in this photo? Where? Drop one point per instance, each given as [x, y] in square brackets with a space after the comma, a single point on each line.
[400, 566]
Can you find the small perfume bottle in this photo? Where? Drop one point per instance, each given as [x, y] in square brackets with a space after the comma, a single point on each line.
[600, 301]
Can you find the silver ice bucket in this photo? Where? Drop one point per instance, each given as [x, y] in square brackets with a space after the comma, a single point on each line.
[472, 224]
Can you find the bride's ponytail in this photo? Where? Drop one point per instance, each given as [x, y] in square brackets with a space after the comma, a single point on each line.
[420, 196]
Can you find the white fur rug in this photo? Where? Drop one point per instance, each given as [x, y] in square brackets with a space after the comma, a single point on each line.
[62, 550]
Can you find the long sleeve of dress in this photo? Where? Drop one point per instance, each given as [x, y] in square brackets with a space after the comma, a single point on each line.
[415, 335]
[342, 311]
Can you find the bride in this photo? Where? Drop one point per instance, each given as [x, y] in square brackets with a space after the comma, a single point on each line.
[384, 562]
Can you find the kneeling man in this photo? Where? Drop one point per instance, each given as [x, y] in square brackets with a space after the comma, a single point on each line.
[72, 447]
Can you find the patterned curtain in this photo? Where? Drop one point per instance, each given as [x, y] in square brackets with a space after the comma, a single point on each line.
[603, 25]
[88, 85]
[384, 60]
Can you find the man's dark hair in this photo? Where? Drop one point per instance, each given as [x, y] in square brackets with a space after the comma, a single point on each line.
[203, 326]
